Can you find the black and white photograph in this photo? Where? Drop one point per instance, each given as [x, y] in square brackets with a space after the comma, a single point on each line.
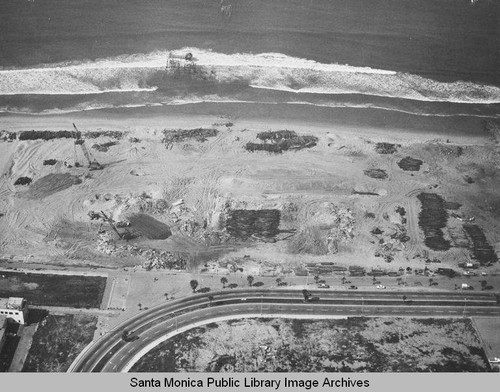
[249, 194]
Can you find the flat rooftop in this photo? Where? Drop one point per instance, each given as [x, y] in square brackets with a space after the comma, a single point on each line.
[14, 303]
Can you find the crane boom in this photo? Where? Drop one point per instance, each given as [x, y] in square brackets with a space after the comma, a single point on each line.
[93, 164]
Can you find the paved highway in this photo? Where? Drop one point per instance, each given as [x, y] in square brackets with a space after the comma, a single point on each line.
[112, 354]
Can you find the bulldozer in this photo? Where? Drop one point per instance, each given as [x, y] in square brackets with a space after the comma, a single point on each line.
[93, 164]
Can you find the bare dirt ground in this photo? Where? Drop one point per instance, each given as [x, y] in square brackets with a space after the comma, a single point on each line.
[353, 344]
[209, 175]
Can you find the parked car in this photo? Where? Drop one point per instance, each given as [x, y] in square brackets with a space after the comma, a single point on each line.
[352, 287]
[323, 286]
[380, 286]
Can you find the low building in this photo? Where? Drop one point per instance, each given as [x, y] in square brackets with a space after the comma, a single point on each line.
[14, 308]
[3, 326]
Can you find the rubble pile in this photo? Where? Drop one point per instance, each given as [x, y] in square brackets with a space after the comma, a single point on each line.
[104, 146]
[386, 148]
[181, 135]
[325, 226]
[48, 135]
[152, 258]
[410, 164]
[282, 141]
[246, 223]
[7, 136]
[393, 238]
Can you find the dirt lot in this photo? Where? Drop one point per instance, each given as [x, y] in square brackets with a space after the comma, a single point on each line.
[57, 342]
[194, 190]
[345, 345]
[53, 290]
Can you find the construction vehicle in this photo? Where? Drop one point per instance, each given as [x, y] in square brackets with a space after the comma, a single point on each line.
[111, 223]
[93, 164]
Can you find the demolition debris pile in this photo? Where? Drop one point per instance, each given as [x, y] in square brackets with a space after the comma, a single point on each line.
[410, 164]
[386, 148]
[322, 228]
[432, 219]
[110, 134]
[279, 141]
[23, 181]
[181, 135]
[376, 173]
[48, 135]
[243, 224]
[481, 249]
[104, 147]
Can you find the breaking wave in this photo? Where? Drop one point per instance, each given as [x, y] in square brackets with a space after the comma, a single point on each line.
[267, 71]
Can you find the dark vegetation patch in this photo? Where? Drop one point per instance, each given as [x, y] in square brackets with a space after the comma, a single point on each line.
[279, 141]
[169, 356]
[245, 223]
[410, 164]
[432, 219]
[96, 134]
[376, 173]
[149, 227]
[49, 162]
[181, 135]
[319, 346]
[481, 249]
[23, 181]
[57, 342]
[52, 183]
[54, 290]
[104, 146]
[386, 148]
[48, 135]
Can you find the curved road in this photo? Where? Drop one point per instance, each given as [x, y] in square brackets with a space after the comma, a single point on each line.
[112, 354]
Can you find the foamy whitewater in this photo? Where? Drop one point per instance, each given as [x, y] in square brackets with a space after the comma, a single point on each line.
[145, 73]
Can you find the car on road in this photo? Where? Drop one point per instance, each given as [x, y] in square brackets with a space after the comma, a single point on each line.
[323, 286]
[469, 273]
[380, 286]
[352, 287]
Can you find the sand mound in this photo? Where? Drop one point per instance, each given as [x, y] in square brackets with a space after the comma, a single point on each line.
[50, 184]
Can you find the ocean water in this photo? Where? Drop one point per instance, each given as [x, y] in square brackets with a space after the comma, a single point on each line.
[425, 57]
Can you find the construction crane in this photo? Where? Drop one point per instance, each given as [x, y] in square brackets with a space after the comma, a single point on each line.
[93, 164]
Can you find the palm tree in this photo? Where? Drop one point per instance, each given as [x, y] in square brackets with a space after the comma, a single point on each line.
[278, 281]
[140, 306]
[316, 278]
[306, 294]
[194, 285]
[250, 280]
[223, 280]
[210, 298]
